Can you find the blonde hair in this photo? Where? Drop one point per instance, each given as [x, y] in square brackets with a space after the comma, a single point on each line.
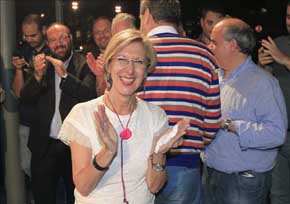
[123, 39]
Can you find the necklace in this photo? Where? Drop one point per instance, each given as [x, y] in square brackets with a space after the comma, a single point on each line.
[126, 133]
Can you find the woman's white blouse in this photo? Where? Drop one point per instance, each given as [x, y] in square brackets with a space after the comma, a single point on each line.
[146, 121]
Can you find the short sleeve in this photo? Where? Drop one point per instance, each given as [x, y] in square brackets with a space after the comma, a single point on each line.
[160, 120]
[78, 126]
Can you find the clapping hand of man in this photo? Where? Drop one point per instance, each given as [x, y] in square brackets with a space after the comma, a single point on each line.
[40, 66]
[95, 65]
[269, 52]
[58, 66]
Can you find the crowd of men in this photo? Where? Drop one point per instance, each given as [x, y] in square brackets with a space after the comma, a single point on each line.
[238, 110]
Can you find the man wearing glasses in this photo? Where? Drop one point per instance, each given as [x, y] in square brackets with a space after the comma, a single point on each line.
[58, 82]
[101, 34]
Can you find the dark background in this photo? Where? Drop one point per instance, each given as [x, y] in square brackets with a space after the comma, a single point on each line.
[80, 21]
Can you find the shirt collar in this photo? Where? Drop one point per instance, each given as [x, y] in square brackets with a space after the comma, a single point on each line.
[66, 63]
[162, 29]
[235, 71]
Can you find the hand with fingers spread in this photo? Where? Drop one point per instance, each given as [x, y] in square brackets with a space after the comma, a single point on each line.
[40, 66]
[106, 131]
[172, 141]
[271, 49]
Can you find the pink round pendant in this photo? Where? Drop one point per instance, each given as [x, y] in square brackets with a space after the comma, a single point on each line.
[126, 134]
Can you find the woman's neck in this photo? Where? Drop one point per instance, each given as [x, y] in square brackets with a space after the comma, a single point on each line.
[120, 105]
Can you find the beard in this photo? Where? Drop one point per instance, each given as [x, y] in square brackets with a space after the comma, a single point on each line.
[62, 52]
[34, 44]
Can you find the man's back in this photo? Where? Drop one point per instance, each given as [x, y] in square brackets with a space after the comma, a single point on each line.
[185, 84]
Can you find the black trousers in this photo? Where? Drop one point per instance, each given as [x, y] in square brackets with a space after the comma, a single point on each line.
[47, 171]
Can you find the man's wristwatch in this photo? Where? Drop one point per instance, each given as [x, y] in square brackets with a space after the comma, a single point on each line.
[64, 76]
[226, 125]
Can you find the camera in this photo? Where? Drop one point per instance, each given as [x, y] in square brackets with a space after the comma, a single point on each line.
[17, 53]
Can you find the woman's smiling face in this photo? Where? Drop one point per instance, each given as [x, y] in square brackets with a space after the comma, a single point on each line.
[127, 69]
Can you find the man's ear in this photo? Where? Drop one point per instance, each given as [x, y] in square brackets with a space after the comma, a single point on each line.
[148, 18]
[70, 36]
[201, 22]
[43, 30]
[234, 45]
[146, 15]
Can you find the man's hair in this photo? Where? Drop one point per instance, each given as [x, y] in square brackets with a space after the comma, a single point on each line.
[101, 18]
[59, 24]
[288, 4]
[243, 34]
[33, 18]
[162, 10]
[212, 6]
[124, 17]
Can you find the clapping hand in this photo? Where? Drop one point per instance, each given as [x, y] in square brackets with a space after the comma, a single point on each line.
[58, 66]
[264, 58]
[95, 65]
[175, 140]
[40, 66]
[271, 52]
[105, 130]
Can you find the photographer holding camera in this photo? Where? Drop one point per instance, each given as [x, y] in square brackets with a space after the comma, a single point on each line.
[274, 55]
[33, 31]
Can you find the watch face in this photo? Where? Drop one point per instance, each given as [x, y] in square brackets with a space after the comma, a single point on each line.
[226, 125]
[158, 167]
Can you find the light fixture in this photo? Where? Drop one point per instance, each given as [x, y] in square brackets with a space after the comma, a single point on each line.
[118, 8]
[75, 5]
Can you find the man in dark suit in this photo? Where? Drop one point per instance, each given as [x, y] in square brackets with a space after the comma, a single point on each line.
[59, 82]
[101, 34]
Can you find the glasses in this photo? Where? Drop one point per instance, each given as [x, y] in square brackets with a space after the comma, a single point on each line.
[61, 39]
[102, 32]
[125, 61]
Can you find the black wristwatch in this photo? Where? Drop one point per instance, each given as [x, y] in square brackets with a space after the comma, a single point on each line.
[226, 125]
[64, 77]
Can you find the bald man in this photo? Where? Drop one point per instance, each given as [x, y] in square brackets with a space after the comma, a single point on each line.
[59, 82]
[122, 21]
[254, 120]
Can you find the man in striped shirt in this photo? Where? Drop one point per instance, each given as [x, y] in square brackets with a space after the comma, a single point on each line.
[185, 85]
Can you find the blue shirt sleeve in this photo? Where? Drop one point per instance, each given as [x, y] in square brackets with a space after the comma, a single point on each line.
[269, 128]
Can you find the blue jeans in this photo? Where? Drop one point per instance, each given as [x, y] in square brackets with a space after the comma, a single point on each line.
[280, 191]
[237, 188]
[183, 186]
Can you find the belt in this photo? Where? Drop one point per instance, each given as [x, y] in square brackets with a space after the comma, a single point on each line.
[247, 173]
